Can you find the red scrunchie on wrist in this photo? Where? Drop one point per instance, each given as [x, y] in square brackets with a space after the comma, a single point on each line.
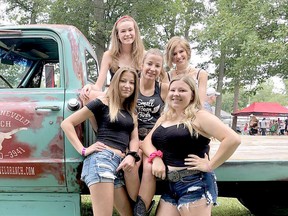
[155, 154]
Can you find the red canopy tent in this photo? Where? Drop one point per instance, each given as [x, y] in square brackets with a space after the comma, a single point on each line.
[263, 109]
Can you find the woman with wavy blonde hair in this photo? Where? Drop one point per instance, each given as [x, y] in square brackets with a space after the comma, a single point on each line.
[178, 149]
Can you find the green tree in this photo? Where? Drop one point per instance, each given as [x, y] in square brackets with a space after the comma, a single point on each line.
[246, 40]
[264, 93]
[240, 50]
[28, 11]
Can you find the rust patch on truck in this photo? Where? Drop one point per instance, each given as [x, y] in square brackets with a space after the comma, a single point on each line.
[77, 64]
[23, 160]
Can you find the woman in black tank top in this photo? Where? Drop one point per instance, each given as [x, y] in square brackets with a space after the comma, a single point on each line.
[178, 149]
[150, 103]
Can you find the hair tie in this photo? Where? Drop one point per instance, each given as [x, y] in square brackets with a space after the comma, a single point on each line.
[155, 154]
[122, 18]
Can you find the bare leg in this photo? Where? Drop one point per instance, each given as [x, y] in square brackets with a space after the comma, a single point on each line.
[102, 198]
[132, 181]
[148, 183]
[167, 209]
[122, 202]
[198, 208]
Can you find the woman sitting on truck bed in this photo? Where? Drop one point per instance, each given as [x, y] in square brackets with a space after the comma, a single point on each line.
[126, 50]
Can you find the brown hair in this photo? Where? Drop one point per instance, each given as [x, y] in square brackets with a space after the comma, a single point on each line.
[113, 94]
[170, 47]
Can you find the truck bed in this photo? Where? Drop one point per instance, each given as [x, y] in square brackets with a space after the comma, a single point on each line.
[259, 148]
[258, 158]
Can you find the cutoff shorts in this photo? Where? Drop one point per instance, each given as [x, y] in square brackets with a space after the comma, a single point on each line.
[192, 188]
[101, 167]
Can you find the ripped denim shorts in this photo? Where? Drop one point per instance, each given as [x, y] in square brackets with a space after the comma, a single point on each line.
[101, 167]
[192, 188]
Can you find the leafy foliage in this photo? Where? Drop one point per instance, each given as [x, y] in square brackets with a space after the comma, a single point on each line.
[265, 92]
[245, 39]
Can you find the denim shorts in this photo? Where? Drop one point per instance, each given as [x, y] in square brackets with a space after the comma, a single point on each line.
[101, 167]
[192, 188]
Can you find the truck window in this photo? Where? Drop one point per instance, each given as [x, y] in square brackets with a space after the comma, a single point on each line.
[29, 63]
[92, 68]
[13, 68]
[48, 76]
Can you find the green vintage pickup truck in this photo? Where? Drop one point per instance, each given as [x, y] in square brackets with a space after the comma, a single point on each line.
[42, 70]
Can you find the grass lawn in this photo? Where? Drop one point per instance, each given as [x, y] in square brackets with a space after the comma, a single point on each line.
[226, 207]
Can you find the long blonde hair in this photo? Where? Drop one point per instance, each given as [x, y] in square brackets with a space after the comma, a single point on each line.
[190, 111]
[137, 46]
[170, 47]
[114, 99]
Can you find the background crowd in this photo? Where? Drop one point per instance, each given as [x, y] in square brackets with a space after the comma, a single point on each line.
[266, 126]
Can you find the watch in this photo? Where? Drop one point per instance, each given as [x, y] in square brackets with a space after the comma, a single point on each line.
[135, 155]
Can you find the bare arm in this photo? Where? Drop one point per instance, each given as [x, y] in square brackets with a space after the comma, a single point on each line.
[147, 146]
[105, 66]
[158, 167]
[202, 85]
[214, 127]
[68, 126]
[134, 141]
[86, 95]
[165, 78]
[164, 90]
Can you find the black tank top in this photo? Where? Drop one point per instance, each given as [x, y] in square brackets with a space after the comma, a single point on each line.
[149, 108]
[176, 143]
[113, 72]
[114, 134]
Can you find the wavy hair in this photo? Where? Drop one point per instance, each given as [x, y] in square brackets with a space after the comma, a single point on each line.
[190, 111]
[137, 46]
[114, 99]
[170, 47]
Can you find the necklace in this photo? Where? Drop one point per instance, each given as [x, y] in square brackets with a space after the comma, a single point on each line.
[178, 72]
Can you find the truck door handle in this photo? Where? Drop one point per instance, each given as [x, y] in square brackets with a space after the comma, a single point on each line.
[52, 108]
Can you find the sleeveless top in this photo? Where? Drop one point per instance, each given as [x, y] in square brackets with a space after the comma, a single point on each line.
[114, 134]
[196, 80]
[176, 143]
[113, 72]
[149, 108]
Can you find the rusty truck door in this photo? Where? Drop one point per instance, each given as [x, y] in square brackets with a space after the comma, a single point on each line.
[31, 110]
